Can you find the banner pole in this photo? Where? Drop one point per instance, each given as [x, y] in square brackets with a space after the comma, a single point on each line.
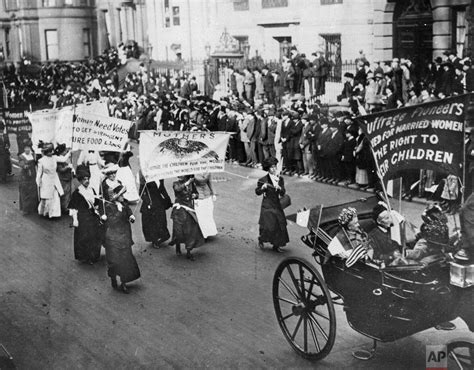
[464, 159]
[379, 174]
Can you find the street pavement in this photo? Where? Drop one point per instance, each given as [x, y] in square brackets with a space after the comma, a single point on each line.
[216, 312]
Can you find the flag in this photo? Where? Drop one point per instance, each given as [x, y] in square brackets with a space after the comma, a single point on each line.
[394, 188]
[335, 247]
[309, 218]
[356, 254]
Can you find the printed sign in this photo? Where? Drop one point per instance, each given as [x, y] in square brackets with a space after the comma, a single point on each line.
[427, 136]
[93, 132]
[166, 154]
[16, 120]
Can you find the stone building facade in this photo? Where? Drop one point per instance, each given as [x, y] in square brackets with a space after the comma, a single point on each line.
[382, 29]
[43, 30]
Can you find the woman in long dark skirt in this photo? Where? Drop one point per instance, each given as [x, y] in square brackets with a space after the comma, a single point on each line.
[155, 202]
[83, 208]
[272, 219]
[28, 189]
[185, 225]
[121, 262]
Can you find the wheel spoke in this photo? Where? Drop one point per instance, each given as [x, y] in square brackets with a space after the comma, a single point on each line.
[454, 355]
[321, 315]
[302, 282]
[310, 290]
[315, 337]
[289, 289]
[296, 328]
[295, 281]
[287, 300]
[287, 316]
[305, 333]
[323, 333]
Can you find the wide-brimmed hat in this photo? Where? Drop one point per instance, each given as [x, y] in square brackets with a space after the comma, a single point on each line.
[47, 148]
[269, 162]
[82, 171]
[110, 168]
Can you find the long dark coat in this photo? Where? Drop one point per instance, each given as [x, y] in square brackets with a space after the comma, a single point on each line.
[155, 202]
[28, 189]
[88, 236]
[118, 244]
[272, 219]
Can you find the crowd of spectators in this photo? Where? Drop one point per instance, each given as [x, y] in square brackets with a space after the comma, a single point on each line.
[270, 113]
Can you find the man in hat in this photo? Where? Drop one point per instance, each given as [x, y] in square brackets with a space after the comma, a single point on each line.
[333, 152]
[285, 135]
[5, 162]
[321, 145]
[320, 73]
[268, 85]
[469, 71]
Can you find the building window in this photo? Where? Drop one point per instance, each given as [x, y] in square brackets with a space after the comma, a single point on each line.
[175, 15]
[330, 2]
[7, 42]
[69, 2]
[49, 3]
[52, 44]
[167, 21]
[241, 5]
[274, 3]
[459, 30]
[330, 45]
[11, 5]
[86, 42]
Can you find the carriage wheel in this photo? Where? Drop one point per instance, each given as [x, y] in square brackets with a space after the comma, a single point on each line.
[461, 355]
[304, 308]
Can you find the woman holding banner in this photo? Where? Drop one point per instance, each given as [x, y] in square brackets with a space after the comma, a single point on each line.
[185, 225]
[121, 262]
[47, 179]
[86, 219]
[28, 190]
[204, 205]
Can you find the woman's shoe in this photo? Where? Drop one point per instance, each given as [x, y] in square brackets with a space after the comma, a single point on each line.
[189, 256]
[178, 250]
[114, 283]
[123, 288]
[277, 249]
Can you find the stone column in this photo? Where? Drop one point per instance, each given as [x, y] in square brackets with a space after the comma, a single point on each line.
[383, 30]
[442, 26]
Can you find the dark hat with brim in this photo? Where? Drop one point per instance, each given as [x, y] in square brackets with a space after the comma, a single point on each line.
[269, 162]
[349, 75]
[82, 172]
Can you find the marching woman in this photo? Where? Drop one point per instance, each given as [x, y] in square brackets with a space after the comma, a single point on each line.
[28, 189]
[86, 219]
[272, 219]
[93, 160]
[204, 205]
[121, 263]
[47, 179]
[185, 225]
[155, 202]
[64, 169]
[125, 176]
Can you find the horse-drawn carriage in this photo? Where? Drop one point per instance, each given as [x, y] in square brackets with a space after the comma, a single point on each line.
[382, 303]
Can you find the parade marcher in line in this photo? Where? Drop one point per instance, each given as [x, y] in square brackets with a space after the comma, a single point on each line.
[83, 207]
[47, 179]
[27, 181]
[64, 169]
[121, 263]
[5, 164]
[204, 204]
[362, 158]
[155, 202]
[272, 219]
[185, 225]
[95, 163]
[125, 176]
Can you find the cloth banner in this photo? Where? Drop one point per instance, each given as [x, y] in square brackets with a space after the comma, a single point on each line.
[427, 136]
[55, 125]
[166, 154]
[94, 132]
[16, 120]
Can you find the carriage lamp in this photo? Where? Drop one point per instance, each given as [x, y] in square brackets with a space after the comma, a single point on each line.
[461, 275]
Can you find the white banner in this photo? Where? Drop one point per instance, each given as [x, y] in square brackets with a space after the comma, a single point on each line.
[166, 154]
[94, 132]
[55, 125]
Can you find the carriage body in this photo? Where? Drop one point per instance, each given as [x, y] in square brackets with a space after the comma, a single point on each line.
[383, 303]
[386, 303]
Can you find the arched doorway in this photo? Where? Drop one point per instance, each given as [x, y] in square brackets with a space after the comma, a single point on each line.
[413, 31]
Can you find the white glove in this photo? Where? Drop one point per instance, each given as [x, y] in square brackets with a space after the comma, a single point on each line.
[131, 219]
[75, 222]
[214, 197]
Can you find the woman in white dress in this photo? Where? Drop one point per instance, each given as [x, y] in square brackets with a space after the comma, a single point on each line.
[204, 205]
[47, 179]
[125, 176]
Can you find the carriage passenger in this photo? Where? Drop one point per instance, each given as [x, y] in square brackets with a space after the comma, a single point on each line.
[359, 247]
[385, 249]
[433, 236]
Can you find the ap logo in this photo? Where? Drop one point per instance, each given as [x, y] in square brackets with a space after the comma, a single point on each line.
[436, 357]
